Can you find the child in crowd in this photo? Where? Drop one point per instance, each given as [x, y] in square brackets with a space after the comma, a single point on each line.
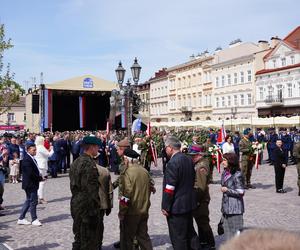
[14, 167]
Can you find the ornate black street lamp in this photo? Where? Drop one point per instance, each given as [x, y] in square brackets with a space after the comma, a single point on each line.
[126, 96]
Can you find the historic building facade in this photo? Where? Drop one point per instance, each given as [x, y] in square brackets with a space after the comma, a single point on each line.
[190, 89]
[233, 74]
[278, 84]
[159, 96]
[15, 117]
[143, 90]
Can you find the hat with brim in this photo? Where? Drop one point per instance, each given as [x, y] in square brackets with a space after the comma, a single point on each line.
[196, 150]
[131, 153]
[91, 140]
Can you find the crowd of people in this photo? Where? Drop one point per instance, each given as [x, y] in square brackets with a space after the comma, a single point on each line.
[189, 158]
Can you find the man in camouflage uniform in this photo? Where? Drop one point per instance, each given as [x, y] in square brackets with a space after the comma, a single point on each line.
[206, 147]
[296, 154]
[201, 213]
[85, 201]
[246, 164]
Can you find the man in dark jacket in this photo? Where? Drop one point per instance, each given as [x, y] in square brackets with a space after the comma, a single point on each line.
[179, 199]
[280, 163]
[30, 184]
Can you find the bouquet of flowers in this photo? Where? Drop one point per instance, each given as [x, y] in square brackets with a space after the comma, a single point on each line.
[254, 155]
[215, 156]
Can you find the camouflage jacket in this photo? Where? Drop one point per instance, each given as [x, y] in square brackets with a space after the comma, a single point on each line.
[201, 181]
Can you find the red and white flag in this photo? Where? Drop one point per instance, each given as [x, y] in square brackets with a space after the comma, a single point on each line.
[221, 134]
[148, 131]
[153, 152]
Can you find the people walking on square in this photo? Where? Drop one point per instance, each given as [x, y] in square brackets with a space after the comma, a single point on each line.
[85, 201]
[246, 163]
[134, 204]
[178, 200]
[280, 163]
[201, 213]
[30, 184]
[232, 208]
[42, 156]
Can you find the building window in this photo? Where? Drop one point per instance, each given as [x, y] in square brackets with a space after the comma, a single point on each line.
[242, 100]
[217, 81]
[229, 79]
[217, 102]
[24, 117]
[283, 62]
[261, 93]
[249, 76]
[229, 101]
[249, 99]
[223, 101]
[242, 76]
[200, 100]
[289, 86]
[209, 100]
[274, 64]
[292, 60]
[235, 99]
[223, 81]
[235, 78]
[11, 117]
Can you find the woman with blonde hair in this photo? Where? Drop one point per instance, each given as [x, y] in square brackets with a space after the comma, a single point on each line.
[42, 155]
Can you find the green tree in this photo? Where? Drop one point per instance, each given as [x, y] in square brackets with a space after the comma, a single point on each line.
[10, 91]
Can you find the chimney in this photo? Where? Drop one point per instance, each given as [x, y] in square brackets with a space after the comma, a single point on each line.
[192, 57]
[263, 45]
[218, 49]
[274, 41]
[235, 43]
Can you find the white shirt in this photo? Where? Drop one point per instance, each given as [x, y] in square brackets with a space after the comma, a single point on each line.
[228, 148]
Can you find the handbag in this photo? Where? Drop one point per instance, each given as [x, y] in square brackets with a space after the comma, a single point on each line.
[220, 226]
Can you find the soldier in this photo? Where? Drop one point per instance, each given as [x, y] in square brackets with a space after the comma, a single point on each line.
[246, 164]
[105, 195]
[296, 153]
[206, 147]
[134, 205]
[146, 157]
[85, 201]
[201, 213]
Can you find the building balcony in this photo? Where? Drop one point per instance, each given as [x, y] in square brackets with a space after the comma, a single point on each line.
[274, 100]
[186, 109]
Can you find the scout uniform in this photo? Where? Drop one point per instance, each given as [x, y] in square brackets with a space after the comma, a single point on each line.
[85, 201]
[201, 213]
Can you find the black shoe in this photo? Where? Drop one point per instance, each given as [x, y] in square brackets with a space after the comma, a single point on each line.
[281, 191]
[2, 215]
[251, 186]
[117, 245]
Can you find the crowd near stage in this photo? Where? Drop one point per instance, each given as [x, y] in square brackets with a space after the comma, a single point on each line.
[73, 104]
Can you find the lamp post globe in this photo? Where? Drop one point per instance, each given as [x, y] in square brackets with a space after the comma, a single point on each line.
[120, 72]
[136, 70]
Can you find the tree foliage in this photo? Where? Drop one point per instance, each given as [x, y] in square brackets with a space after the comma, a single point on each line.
[10, 91]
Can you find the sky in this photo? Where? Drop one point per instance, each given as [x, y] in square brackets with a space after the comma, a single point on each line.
[69, 38]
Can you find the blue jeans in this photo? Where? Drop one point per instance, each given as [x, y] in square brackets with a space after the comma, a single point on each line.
[31, 202]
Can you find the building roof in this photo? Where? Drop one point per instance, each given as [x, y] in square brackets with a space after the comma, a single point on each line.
[83, 83]
[236, 51]
[293, 38]
[264, 71]
[20, 103]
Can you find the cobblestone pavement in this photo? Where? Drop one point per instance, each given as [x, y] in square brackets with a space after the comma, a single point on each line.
[264, 208]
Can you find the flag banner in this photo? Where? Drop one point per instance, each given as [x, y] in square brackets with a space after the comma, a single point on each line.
[81, 111]
[47, 108]
[153, 152]
[148, 131]
[136, 125]
[221, 134]
[107, 127]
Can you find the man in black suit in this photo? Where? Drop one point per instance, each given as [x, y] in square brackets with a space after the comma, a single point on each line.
[179, 198]
[280, 163]
[30, 184]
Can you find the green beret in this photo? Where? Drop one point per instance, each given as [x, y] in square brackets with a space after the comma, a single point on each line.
[91, 140]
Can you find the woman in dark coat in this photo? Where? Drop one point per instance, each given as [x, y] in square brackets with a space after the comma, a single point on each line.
[280, 163]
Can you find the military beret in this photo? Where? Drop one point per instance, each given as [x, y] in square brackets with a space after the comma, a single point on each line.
[131, 153]
[196, 150]
[246, 131]
[123, 143]
[91, 140]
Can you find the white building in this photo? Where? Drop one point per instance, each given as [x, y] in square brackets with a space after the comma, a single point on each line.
[233, 75]
[278, 84]
[159, 96]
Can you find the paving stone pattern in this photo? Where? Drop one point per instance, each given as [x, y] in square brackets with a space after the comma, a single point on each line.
[263, 208]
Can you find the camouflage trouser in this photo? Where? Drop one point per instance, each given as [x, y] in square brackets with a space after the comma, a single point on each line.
[87, 236]
[298, 170]
[246, 167]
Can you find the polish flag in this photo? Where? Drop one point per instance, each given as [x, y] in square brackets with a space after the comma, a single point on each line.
[169, 189]
[148, 131]
[221, 135]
